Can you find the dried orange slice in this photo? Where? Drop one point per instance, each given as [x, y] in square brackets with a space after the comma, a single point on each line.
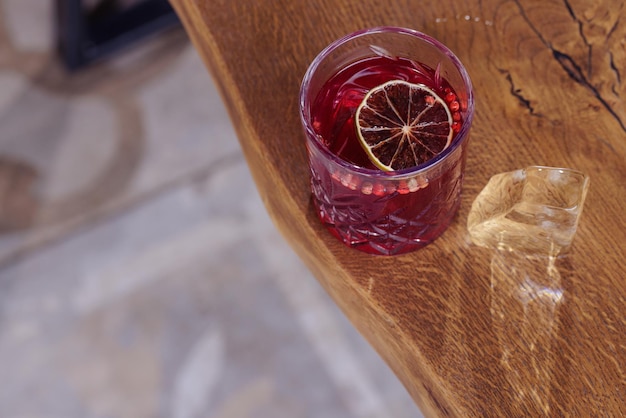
[401, 125]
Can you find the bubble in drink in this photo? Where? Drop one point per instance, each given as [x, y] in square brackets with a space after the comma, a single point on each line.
[533, 210]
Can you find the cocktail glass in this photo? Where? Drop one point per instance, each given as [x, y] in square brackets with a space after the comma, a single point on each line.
[375, 211]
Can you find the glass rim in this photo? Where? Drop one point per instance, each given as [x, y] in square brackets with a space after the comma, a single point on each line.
[306, 104]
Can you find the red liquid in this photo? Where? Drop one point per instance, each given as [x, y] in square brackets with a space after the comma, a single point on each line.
[380, 216]
[336, 104]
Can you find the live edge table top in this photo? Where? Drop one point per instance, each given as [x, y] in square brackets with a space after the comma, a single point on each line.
[469, 331]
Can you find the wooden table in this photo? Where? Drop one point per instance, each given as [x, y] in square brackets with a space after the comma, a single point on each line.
[468, 330]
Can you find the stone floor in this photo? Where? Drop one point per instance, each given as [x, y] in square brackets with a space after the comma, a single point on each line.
[139, 273]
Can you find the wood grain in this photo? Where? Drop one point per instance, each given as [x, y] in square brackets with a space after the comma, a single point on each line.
[460, 325]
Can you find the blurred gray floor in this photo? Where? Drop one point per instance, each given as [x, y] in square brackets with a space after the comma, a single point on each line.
[140, 275]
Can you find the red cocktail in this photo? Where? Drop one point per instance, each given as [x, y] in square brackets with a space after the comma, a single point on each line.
[405, 205]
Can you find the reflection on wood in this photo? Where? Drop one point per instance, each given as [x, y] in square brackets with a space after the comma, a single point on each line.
[525, 301]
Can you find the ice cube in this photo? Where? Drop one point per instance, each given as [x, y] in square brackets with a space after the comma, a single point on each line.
[533, 210]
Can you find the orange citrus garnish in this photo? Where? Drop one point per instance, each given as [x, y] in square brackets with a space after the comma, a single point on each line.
[402, 125]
